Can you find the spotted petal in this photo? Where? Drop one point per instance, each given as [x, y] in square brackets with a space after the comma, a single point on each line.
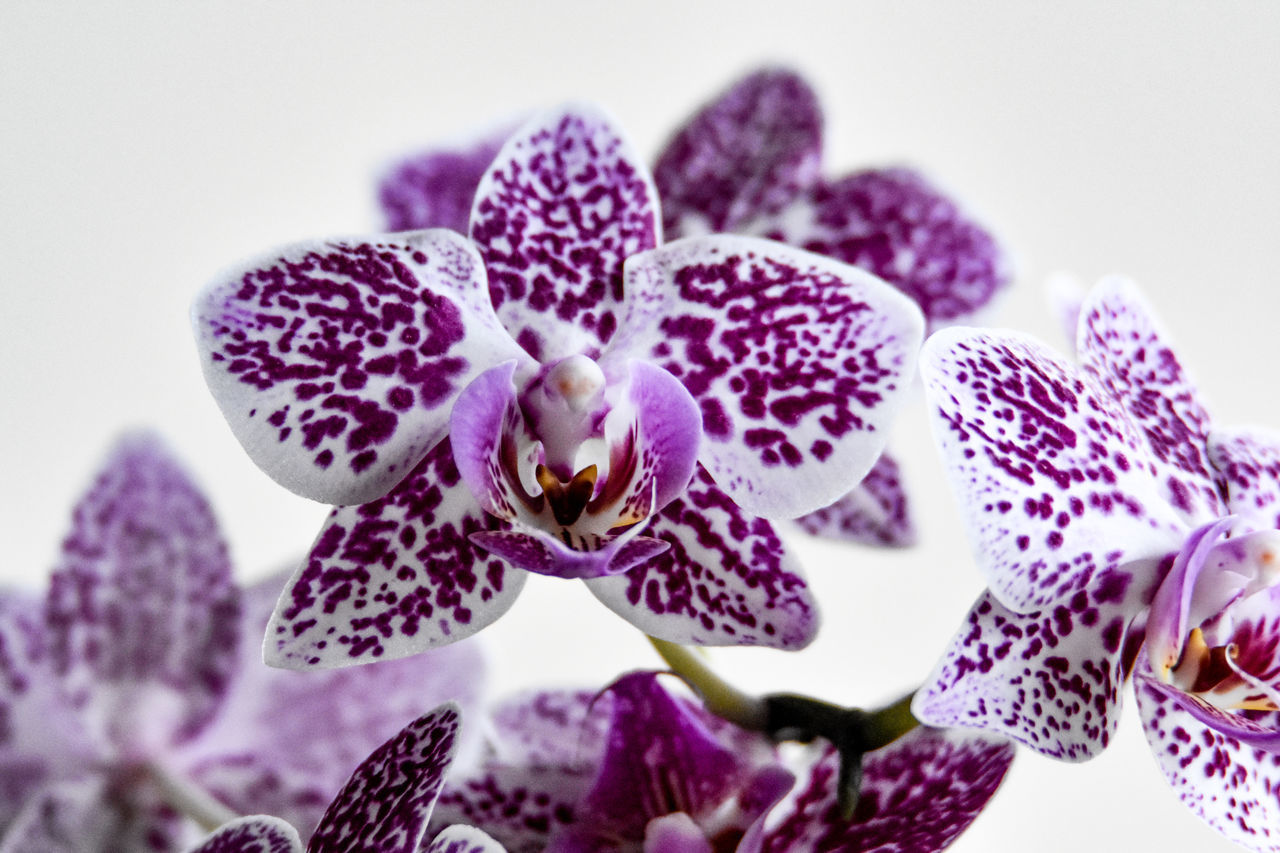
[1247, 460]
[142, 614]
[1053, 476]
[565, 202]
[385, 806]
[749, 152]
[918, 794]
[895, 224]
[1122, 343]
[874, 512]
[393, 577]
[253, 834]
[437, 189]
[799, 363]
[336, 363]
[1220, 777]
[286, 741]
[464, 839]
[728, 578]
[1048, 679]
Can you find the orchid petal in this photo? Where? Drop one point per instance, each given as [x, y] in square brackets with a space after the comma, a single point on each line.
[520, 807]
[436, 189]
[1121, 342]
[385, 806]
[1248, 463]
[873, 513]
[552, 728]
[253, 834]
[728, 578]
[464, 839]
[1260, 729]
[1049, 679]
[675, 833]
[1214, 770]
[1054, 477]
[918, 794]
[336, 363]
[541, 553]
[660, 758]
[748, 152]
[798, 362]
[286, 741]
[485, 427]
[565, 202]
[142, 613]
[895, 224]
[393, 577]
[70, 816]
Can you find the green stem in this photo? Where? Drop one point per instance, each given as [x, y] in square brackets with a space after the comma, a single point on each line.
[720, 698]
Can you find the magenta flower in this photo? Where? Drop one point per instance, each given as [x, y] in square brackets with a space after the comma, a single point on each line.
[128, 696]
[1121, 535]
[383, 808]
[559, 394]
[637, 768]
[750, 163]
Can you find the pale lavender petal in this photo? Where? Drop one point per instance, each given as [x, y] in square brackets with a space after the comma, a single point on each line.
[918, 794]
[41, 734]
[1121, 341]
[1231, 785]
[874, 513]
[286, 741]
[669, 432]
[1253, 729]
[385, 806]
[1247, 461]
[728, 578]
[565, 202]
[253, 834]
[675, 833]
[799, 363]
[552, 728]
[750, 151]
[464, 839]
[393, 577]
[1168, 621]
[486, 430]
[895, 224]
[1049, 679]
[436, 189]
[142, 613]
[1053, 477]
[336, 363]
[520, 807]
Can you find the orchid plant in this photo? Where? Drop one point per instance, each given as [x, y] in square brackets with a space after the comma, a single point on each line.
[562, 363]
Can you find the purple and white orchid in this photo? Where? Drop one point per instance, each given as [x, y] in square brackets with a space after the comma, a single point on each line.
[637, 768]
[750, 163]
[383, 808]
[560, 393]
[1121, 534]
[130, 703]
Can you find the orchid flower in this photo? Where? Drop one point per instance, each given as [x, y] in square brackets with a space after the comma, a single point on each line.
[638, 768]
[750, 163]
[559, 394]
[130, 703]
[1121, 534]
[383, 808]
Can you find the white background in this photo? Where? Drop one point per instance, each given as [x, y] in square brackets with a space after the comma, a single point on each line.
[144, 146]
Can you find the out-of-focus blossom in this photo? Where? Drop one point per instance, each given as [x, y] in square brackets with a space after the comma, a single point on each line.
[1121, 534]
[638, 768]
[383, 808]
[560, 393]
[128, 694]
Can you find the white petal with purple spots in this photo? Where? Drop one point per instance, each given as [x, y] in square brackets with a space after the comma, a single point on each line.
[565, 202]
[393, 577]
[1247, 461]
[253, 834]
[799, 363]
[874, 512]
[1121, 341]
[1231, 785]
[336, 362]
[1049, 679]
[728, 578]
[464, 839]
[1053, 476]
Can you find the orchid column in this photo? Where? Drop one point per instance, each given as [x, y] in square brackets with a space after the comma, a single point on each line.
[560, 393]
